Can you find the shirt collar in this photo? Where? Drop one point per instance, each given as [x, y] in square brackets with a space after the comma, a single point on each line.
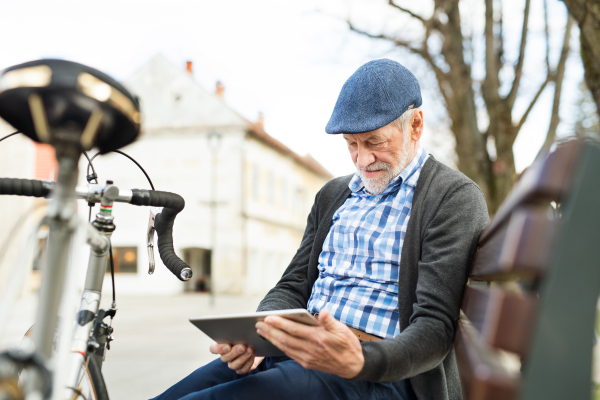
[356, 185]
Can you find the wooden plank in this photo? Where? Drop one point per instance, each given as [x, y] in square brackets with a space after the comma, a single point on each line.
[503, 319]
[482, 375]
[546, 180]
[522, 247]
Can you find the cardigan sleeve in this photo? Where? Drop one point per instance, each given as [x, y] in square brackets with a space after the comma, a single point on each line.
[448, 243]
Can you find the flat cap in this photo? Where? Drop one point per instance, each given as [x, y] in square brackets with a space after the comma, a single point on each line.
[376, 94]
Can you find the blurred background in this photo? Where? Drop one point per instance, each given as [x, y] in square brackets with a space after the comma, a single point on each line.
[235, 97]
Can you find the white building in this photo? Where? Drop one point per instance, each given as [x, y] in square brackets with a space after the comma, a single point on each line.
[231, 173]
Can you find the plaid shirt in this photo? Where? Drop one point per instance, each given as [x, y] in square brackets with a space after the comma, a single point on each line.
[360, 260]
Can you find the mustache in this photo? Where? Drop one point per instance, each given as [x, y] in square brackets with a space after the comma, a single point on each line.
[376, 166]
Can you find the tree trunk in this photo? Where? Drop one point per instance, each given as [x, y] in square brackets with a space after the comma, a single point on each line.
[587, 15]
[470, 148]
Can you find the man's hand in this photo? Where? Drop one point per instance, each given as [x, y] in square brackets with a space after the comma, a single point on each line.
[239, 358]
[330, 347]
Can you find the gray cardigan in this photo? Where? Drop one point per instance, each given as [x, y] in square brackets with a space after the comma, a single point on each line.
[447, 217]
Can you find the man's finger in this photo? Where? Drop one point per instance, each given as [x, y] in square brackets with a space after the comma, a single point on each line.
[291, 327]
[281, 339]
[238, 362]
[247, 367]
[327, 321]
[219, 348]
[237, 351]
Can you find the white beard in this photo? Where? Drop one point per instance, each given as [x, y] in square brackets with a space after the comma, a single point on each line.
[378, 185]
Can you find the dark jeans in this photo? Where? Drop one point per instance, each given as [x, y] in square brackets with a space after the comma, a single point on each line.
[279, 378]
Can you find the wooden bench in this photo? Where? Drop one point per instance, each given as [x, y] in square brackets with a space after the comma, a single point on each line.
[527, 318]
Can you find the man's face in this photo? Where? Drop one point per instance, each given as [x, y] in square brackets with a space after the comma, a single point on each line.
[380, 155]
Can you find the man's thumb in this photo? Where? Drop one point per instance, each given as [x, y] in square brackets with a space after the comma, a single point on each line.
[326, 319]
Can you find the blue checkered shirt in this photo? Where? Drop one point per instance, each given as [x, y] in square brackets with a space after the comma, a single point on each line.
[360, 260]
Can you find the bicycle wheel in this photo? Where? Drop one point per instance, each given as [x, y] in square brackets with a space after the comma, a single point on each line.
[93, 381]
[91, 385]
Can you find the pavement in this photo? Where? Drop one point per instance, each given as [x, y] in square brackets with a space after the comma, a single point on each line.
[155, 345]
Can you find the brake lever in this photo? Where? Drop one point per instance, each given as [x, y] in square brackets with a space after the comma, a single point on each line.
[150, 239]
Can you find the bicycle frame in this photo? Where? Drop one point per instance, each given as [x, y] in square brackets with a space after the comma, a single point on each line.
[63, 222]
[60, 213]
[88, 316]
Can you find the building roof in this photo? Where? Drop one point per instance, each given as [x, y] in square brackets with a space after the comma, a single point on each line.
[171, 98]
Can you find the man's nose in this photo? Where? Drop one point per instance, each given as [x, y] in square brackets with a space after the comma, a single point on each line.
[364, 157]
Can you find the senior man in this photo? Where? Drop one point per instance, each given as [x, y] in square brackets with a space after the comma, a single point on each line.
[383, 263]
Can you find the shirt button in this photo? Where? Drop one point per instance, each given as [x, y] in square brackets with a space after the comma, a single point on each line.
[377, 198]
[323, 298]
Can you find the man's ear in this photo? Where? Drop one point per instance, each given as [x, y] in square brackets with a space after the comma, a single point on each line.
[416, 125]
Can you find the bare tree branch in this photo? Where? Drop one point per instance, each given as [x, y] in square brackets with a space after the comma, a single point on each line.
[535, 99]
[547, 34]
[500, 39]
[558, 80]
[512, 95]
[440, 75]
[407, 11]
[397, 42]
[491, 83]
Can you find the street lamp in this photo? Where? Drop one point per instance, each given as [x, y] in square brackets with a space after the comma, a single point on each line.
[214, 142]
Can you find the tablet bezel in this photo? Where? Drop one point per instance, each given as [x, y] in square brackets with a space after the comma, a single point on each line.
[240, 328]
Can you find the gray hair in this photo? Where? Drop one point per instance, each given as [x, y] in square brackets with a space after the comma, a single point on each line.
[403, 121]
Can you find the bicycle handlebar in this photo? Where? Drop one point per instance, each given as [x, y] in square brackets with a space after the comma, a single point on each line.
[25, 187]
[163, 223]
[172, 204]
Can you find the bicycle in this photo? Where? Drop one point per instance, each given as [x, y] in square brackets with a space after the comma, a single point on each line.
[74, 108]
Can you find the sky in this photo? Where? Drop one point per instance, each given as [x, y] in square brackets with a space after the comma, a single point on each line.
[287, 59]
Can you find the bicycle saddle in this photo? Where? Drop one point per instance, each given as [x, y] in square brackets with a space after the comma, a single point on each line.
[56, 100]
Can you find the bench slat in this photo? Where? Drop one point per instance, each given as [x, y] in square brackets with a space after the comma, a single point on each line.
[521, 247]
[503, 319]
[482, 375]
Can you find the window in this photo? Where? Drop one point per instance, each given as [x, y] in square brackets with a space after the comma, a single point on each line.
[299, 201]
[256, 182]
[125, 259]
[272, 192]
[284, 194]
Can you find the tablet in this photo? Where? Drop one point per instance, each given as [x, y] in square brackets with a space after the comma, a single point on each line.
[241, 329]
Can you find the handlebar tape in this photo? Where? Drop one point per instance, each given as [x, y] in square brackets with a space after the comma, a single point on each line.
[25, 187]
[163, 223]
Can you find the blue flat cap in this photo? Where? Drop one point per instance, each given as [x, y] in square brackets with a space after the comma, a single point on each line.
[376, 94]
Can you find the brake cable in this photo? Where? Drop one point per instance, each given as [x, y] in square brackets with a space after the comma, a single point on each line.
[128, 156]
[9, 135]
